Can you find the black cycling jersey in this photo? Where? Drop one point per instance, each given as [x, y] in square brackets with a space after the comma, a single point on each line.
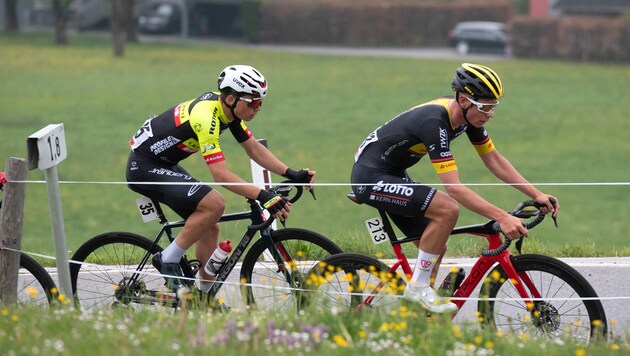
[379, 174]
[425, 129]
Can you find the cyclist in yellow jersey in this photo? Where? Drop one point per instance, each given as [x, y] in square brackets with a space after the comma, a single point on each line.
[380, 178]
[194, 126]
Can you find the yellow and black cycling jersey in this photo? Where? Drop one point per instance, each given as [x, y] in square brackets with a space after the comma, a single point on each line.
[188, 128]
[424, 129]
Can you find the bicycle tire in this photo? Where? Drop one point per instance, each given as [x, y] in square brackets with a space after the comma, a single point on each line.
[266, 287]
[348, 282]
[35, 286]
[565, 313]
[101, 267]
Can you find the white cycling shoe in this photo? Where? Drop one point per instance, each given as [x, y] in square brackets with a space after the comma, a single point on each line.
[429, 299]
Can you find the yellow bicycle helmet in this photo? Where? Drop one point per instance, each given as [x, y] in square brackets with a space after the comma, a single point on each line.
[478, 81]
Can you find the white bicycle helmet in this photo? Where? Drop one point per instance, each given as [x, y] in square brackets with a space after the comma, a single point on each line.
[243, 79]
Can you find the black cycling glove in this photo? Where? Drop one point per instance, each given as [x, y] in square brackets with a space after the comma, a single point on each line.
[273, 203]
[300, 176]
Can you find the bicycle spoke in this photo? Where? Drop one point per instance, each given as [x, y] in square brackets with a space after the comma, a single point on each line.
[560, 311]
[273, 287]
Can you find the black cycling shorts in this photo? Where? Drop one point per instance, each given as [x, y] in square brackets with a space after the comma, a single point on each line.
[395, 193]
[181, 198]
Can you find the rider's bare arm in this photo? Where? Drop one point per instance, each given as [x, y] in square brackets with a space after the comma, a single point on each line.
[221, 173]
[510, 225]
[261, 155]
[503, 169]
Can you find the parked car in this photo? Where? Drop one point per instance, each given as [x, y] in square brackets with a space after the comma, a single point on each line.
[160, 17]
[479, 36]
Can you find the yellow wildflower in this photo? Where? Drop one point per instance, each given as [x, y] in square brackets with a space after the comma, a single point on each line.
[339, 340]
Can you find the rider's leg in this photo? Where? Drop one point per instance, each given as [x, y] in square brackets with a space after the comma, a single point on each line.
[442, 213]
[199, 223]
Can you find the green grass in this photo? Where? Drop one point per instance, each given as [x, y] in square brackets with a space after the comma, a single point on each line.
[559, 123]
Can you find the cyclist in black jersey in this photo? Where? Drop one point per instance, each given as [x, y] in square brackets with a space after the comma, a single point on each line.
[380, 178]
[194, 126]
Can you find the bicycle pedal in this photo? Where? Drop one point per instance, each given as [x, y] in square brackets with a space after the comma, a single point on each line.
[195, 265]
[451, 283]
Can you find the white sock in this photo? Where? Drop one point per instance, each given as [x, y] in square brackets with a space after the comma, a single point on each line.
[424, 267]
[172, 253]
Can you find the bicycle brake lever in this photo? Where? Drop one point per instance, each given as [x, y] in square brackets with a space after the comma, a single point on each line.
[555, 218]
[518, 245]
[312, 191]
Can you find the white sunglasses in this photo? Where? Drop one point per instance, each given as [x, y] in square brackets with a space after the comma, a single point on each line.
[483, 107]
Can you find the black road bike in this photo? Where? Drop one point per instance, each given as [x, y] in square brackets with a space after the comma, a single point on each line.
[115, 268]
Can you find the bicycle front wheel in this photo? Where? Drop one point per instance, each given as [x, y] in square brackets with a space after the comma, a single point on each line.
[350, 282]
[35, 286]
[268, 286]
[106, 270]
[568, 307]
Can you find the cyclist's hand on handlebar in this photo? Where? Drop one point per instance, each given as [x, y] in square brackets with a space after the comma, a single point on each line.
[549, 204]
[302, 176]
[276, 205]
[512, 227]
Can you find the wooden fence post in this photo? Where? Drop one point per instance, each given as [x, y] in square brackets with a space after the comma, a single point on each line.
[11, 219]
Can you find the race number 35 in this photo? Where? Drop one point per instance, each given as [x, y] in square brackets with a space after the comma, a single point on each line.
[376, 230]
[147, 209]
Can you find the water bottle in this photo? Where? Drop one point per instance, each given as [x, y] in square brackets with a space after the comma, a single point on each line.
[218, 258]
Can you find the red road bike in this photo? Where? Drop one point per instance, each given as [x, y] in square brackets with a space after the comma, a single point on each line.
[519, 293]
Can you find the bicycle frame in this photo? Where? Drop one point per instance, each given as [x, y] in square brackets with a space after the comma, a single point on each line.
[255, 215]
[478, 271]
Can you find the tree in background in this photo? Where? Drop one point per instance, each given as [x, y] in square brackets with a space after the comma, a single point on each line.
[129, 21]
[10, 16]
[117, 20]
[60, 12]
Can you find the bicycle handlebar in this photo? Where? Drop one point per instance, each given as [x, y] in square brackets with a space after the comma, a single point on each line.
[519, 212]
[284, 191]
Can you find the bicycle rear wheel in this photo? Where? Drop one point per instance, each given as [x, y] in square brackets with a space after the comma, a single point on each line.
[353, 282]
[562, 311]
[107, 271]
[266, 286]
[35, 286]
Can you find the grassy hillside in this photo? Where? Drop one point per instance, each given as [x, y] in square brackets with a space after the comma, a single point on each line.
[559, 123]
